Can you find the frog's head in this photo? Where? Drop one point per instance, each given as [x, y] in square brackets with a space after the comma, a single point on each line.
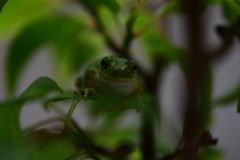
[117, 68]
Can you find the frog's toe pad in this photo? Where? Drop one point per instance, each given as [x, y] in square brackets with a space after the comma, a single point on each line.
[86, 93]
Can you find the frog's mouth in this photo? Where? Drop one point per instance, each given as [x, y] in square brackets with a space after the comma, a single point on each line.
[118, 76]
[115, 85]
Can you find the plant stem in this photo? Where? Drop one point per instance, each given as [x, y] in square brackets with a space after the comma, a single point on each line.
[42, 123]
[70, 112]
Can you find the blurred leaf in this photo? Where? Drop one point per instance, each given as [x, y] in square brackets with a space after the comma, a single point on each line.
[163, 147]
[13, 151]
[202, 116]
[231, 9]
[2, 3]
[173, 6]
[156, 42]
[17, 14]
[47, 145]
[39, 88]
[149, 120]
[55, 149]
[176, 6]
[10, 111]
[108, 21]
[213, 2]
[205, 110]
[211, 154]
[75, 50]
[60, 97]
[232, 96]
[159, 46]
[225, 32]
[238, 106]
[60, 31]
[112, 5]
[115, 104]
[117, 134]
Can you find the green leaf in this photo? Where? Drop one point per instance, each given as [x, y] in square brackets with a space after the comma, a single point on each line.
[173, 6]
[60, 97]
[117, 134]
[231, 9]
[205, 109]
[149, 120]
[13, 152]
[155, 41]
[10, 111]
[61, 32]
[47, 145]
[211, 154]
[74, 53]
[55, 149]
[230, 97]
[2, 3]
[16, 14]
[163, 147]
[213, 2]
[238, 106]
[39, 88]
[159, 46]
[112, 5]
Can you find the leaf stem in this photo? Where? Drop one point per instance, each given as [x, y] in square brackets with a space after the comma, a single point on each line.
[129, 36]
[42, 123]
[70, 112]
[157, 15]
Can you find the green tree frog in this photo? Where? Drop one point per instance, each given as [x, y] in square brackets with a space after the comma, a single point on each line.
[111, 75]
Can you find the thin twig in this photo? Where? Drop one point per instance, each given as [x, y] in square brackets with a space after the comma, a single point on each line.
[221, 50]
[70, 112]
[42, 123]
[101, 29]
[129, 36]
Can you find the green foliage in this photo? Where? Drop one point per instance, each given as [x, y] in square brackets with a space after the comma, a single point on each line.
[231, 10]
[55, 30]
[212, 154]
[13, 18]
[45, 145]
[13, 152]
[238, 106]
[206, 98]
[10, 111]
[175, 6]
[2, 3]
[159, 46]
[156, 42]
[79, 35]
[112, 5]
[60, 97]
[214, 2]
[232, 96]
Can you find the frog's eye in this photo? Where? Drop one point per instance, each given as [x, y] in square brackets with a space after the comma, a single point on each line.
[134, 68]
[131, 66]
[106, 62]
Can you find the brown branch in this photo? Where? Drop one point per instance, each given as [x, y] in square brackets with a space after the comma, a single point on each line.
[226, 34]
[205, 140]
[194, 73]
[109, 41]
[101, 29]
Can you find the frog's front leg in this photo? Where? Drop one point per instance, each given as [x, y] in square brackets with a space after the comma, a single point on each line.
[87, 93]
[85, 87]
